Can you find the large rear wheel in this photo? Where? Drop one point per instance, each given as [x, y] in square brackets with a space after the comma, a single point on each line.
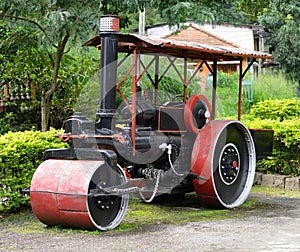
[224, 156]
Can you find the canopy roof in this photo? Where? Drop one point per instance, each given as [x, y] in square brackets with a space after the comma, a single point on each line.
[129, 42]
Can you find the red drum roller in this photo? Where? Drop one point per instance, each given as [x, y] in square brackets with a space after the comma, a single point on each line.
[61, 193]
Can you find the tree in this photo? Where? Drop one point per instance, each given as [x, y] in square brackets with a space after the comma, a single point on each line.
[204, 11]
[282, 20]
[253, 8]
[54, 24]
[58, 23]
[174, 11]
[25, 66]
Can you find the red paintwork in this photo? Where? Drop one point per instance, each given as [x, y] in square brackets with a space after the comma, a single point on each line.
[235, 164]
[58, 192]
[188, 117]
[202, 158]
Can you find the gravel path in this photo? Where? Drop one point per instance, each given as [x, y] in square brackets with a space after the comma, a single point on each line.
[273, 227]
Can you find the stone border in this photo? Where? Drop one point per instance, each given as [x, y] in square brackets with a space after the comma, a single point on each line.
[279, 181]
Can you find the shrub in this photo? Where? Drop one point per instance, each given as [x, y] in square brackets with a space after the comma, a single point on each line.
[286, 145]
[283, 117]
[20, 155]
[277, 109]
[5, 122]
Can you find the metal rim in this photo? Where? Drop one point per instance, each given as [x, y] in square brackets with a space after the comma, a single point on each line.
[234, 194]
[229, 162]
[107, 212]
[209, 147]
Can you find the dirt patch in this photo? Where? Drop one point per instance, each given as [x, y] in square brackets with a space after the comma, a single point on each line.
[272, 224]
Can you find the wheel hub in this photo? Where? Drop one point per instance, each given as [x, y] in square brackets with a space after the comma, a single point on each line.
[229, 164]
[105, 202]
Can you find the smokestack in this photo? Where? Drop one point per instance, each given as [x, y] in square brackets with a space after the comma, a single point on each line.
[109, 30]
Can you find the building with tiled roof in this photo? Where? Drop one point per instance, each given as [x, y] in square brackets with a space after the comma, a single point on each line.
[199, 35]
[195, 33]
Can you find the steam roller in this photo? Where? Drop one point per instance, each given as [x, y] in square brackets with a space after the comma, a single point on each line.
[144, 148]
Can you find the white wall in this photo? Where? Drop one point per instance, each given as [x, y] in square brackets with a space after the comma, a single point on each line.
[240, 36]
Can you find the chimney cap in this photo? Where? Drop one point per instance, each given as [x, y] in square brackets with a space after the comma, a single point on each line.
[109, 23]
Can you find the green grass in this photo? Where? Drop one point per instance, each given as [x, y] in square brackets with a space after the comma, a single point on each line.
[141, 216]
[24, 222]
[271, 191]
[268, 86]
[273, 86]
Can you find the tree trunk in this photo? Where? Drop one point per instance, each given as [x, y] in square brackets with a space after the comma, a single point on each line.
[46, 99]
[45, 110]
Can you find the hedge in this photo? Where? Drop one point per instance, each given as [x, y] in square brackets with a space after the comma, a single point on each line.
[283, 117]
[278, 110]
[20, 155]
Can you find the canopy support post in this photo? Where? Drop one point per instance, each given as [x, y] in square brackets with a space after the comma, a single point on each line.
[214, 89]
[241, 76]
